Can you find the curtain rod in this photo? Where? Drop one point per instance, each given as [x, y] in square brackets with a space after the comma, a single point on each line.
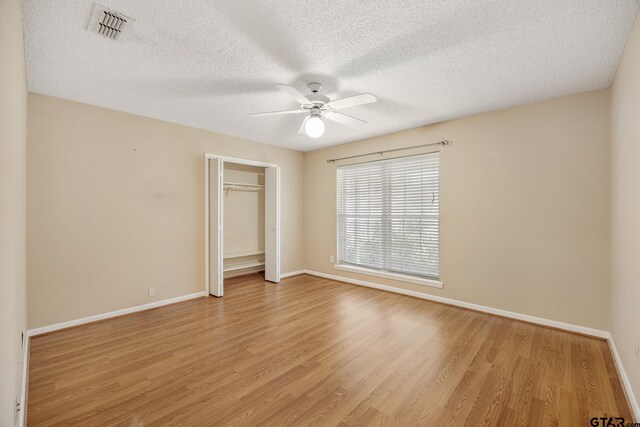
[443, 143]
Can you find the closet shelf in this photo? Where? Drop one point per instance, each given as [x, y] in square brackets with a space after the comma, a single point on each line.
[242, 254]
[243, 265]
[240, 184]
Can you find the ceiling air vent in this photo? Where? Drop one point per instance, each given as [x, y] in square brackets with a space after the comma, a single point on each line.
[107, 22]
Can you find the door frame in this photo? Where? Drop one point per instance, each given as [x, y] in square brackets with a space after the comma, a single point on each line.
[210, 156]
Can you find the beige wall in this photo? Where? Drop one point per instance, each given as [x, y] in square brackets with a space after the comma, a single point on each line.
[13, 146]
[524, 208]
[625, 207]
[116, 206]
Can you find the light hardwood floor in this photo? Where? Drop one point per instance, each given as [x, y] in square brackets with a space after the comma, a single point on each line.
[312, 351]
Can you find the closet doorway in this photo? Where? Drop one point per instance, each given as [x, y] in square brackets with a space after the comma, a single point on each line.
[242, 220]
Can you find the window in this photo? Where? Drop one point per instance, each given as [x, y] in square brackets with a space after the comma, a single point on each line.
[388, 218]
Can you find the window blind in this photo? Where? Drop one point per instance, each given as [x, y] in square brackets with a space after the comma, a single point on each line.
[388, 215]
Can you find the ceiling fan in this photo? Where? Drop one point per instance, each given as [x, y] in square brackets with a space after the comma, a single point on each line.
[318, 106]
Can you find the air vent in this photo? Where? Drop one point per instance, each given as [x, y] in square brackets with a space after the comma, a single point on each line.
[107, 22]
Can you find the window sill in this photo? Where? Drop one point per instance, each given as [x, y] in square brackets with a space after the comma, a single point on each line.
[396, 276]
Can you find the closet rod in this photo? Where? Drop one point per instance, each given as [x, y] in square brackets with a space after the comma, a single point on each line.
[239, 184]
[443, 143]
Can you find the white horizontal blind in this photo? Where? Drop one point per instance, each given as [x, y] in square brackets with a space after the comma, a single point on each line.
[388, 215]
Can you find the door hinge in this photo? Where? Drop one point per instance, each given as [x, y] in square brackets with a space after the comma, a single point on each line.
[16, 415]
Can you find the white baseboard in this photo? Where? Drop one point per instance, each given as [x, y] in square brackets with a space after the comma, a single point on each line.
[63, 325]
[485, 309]
[631, 398]
[292, 273]
[25, 376]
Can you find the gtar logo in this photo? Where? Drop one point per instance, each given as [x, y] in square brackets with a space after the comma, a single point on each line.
[607, 422]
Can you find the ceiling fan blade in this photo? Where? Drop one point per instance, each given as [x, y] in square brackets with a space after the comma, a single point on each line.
[295, 94]
[275, 113]
[346, 120]
[304, 122]
[352, 101]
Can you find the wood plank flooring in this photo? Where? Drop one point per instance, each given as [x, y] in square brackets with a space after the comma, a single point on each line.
[312, 351]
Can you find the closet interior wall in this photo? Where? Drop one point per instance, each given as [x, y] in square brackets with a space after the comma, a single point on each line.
[244, 209]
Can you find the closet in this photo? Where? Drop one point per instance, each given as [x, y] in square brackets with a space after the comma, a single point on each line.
[242, 220]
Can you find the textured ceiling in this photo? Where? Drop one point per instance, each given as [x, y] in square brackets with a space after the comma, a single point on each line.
[208, 64]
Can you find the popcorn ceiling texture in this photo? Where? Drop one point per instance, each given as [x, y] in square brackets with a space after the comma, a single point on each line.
[208, 64]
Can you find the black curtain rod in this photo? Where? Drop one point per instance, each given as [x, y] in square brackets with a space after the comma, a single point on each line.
[443, 143]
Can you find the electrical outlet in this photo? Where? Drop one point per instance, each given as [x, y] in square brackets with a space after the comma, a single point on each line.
[637, 353]
[152, 291]
[331, 259]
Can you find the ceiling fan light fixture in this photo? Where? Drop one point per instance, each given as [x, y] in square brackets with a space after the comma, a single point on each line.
[314, 126]
[318, 107]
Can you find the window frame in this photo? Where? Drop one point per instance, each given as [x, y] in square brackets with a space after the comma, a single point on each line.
[404, 277]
